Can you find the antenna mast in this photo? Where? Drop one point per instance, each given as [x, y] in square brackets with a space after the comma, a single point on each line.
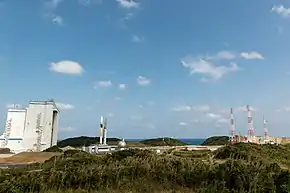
[251, 130]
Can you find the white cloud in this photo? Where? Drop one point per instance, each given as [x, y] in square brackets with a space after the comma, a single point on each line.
[143, 81]
[231, 55]
[10, 106]
[207, 68]
[122, 86]
[67, 67]
[183, 124]
[110, 115]
[64, 106]
[199, 108]
[150, 103]
[213, 116]
[137, 39]
[226, 55]
[182, 108]
[67, 129]
[52, 4]
[106, 83]
[56, 19]
[284, 109]
[251, 56]
[49, 12]
[128, 4]
[281, 10]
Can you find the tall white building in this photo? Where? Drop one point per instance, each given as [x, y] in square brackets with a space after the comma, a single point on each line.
[31, 129]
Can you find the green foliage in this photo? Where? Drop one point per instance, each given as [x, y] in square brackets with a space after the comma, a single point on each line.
[53, 149]
[163, 142]
[4, 151]
[216, 140]
[84, 141]
[239, 168]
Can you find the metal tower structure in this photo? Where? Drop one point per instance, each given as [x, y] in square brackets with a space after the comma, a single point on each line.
[39, 132]
[105, 131]
[251, 130]
[232, 126]
[7, 132]
[265, 128]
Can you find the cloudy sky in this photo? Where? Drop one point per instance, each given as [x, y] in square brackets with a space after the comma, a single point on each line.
[153, 67]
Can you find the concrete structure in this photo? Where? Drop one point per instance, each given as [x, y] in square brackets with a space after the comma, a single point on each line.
[31, 129]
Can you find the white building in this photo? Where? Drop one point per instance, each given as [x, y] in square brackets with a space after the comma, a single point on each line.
[31, 129]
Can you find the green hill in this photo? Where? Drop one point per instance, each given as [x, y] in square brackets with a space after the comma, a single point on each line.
[84, 141]
[163, 142]
[216, 140]
[87, 141]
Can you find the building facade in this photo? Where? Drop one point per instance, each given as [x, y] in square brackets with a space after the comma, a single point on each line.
[32, 129]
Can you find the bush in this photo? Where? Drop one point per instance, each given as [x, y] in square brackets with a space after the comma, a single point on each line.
[145, 171]
[53, 149]
[5, 151]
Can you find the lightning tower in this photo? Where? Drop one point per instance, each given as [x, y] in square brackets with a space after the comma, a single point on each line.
[232, 126]
[251, 130]
[105, 131]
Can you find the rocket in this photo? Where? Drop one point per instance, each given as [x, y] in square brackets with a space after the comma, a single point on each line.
[101, 129]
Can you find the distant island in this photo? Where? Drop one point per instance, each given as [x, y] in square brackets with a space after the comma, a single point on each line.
[163, 142]
[87, 141]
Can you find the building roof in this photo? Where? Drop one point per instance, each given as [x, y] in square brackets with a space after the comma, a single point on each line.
[47, 102]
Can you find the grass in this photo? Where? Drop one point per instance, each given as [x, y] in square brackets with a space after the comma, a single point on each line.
[29, 157]
[230, 169]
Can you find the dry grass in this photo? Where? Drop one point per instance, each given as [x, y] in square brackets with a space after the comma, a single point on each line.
[29, 157]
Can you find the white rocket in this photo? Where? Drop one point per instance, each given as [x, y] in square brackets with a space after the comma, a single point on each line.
[101, 129]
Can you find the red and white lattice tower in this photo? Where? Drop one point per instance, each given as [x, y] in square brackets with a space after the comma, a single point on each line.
[265, 127]
[251, 130]
[232, 126]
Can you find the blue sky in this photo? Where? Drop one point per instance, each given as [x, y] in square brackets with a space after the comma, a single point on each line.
[154, 68]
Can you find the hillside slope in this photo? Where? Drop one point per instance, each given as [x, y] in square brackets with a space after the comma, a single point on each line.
[216, 140]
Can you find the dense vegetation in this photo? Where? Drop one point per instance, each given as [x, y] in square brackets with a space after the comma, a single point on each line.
[216, 140]
[87, 141]
[166, 141]
[5, 151]
[84, 141]
[237, 168]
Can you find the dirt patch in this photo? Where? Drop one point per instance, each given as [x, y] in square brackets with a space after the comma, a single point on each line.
[29, 157]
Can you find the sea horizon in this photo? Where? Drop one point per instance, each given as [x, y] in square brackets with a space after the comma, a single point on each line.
[189, 141]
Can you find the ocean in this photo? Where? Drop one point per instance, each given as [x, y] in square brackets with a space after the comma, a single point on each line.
[188, 141]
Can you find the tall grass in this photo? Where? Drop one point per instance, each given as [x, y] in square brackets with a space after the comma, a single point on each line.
[144, 171]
